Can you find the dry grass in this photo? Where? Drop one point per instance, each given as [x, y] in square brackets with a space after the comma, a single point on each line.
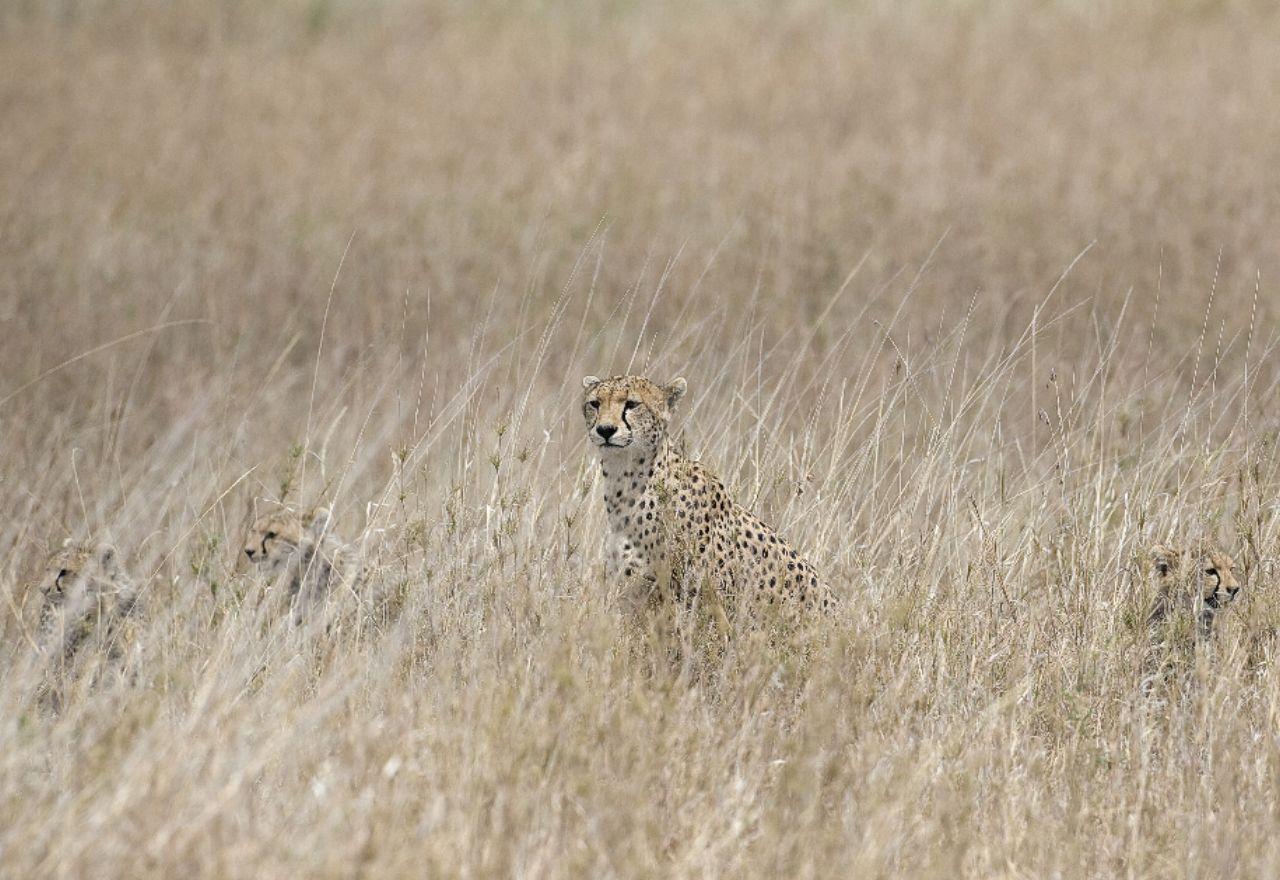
[975, 300]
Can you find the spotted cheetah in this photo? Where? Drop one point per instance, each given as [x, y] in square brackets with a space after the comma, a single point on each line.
[675, 530]
[299, 551]
[1194, 585]
[1191, 589]
[85, 596]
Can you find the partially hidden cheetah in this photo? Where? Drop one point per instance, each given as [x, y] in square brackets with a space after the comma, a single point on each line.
[674, 529]
[299, 552]
[1195, 585]
[85, 597]
[1191, 590]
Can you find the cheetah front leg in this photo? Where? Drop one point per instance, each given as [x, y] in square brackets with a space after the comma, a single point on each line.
[627, 566]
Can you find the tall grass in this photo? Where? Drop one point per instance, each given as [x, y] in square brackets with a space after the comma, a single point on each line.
[975, 302]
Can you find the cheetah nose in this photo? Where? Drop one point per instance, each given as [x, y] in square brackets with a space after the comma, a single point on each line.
[248, 551]
[606, 431]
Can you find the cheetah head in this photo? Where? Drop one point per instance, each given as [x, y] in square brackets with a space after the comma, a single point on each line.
[628, 411]
[1211, 570]
[95, 570]
[275, 538]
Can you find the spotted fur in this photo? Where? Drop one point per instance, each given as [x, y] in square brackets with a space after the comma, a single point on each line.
[675, 531]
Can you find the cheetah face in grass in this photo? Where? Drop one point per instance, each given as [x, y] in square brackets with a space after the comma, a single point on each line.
[83, 590]
[628, 412]
[73, 569]
[1218, 582]
[1210, 572]
[276, 538]
[1202, 579]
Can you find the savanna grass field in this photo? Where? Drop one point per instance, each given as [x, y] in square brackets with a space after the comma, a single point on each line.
[976, 301]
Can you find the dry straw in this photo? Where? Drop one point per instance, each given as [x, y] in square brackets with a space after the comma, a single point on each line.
[974, 300]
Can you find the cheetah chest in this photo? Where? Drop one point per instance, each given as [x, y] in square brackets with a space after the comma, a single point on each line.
[635, 508]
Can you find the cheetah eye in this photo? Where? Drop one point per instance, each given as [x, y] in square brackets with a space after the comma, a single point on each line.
[594, 404]
[630, 405]
[62, 572]
[1212, 572]
[269, 536]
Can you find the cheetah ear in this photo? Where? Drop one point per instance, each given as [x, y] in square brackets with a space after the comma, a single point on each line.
[590, 381]
[675, 390]
[107, 558]
[319, 522]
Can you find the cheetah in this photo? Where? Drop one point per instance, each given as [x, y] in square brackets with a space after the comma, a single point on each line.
[674, 528]
[85, 596]
[1191, 589]
[299, 551]
[1199, 584]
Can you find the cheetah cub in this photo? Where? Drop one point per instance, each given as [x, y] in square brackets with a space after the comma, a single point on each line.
[675, 530]
[298, 550]
[85, 597]
[1195, 585]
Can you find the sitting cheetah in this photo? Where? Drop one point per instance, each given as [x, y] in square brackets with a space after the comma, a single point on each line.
[85, 596]
[301, 552]
[674, 527]
[1191, 589]
[1196, 585]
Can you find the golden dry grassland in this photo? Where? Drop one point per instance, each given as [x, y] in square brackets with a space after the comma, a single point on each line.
[975, 300]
